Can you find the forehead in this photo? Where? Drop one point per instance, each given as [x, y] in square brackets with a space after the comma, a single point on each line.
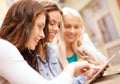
[55, 15]
[71, 19]
[40, 18]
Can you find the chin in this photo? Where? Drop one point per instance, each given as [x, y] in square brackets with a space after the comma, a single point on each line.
[32, 48]
[71, 41]
[50, 40]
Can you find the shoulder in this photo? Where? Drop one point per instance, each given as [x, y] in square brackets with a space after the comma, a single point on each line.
[51, 46]
[86, 37]
[52, 49]
[8, 51]
[86, 40]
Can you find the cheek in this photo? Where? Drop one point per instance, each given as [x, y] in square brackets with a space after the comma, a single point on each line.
[65, 31]
[28, 45]
[49, 28]
[78, 32]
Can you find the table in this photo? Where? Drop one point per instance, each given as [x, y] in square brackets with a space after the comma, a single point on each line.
[109, 79]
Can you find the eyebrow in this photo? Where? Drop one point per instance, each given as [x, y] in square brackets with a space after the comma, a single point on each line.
[53, 20]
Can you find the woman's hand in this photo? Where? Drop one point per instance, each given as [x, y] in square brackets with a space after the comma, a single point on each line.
[101, 74]
[87, 69]
[78, 68]
[82, 68]
[95, 70]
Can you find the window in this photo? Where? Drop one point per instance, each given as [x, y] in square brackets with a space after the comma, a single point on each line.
[107, 28]
[98, 5]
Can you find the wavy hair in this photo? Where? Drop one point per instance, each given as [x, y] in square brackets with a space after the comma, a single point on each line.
[18, 24]
[49, 6]
[76, 45]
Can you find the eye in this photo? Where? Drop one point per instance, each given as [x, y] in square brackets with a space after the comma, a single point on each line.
[76, 26]
[67, 26]
[59, 25]
[40, 26]
[51, 22]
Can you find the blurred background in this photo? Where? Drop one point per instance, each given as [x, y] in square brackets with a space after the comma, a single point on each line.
[101, 18]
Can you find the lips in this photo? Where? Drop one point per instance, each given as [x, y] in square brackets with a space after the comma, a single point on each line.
[52, 35]
[71, 36]
[36, 40]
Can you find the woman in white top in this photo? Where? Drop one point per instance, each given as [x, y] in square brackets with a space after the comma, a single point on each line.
[23, 28]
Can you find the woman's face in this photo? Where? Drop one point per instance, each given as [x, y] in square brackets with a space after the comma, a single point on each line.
[72, 28]
[54, 24]
[37, 32]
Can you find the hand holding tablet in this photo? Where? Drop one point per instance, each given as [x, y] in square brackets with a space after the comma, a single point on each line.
[103, 68]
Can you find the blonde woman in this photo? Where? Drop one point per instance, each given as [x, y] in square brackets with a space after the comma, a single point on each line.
[77, 42]
[74, 44]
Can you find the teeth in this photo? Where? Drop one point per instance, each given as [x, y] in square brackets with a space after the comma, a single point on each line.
[36, 40]
[70, 36]
[52, 34]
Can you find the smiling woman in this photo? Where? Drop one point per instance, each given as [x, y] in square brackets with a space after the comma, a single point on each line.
[54, 24]
[37, 32]
[74, 45]
[22, 29]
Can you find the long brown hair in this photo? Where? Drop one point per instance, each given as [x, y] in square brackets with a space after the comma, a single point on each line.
[49, 7]
[18, 23]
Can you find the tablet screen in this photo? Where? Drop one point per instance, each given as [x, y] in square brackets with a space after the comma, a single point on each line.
[104, 66]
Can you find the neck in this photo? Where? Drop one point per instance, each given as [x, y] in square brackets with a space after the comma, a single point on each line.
[69, 50]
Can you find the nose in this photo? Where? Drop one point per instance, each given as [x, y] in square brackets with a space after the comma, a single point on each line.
[42, 35]
[72, 30]
[56, 28]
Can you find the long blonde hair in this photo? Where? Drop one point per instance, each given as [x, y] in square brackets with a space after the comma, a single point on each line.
[76, 45]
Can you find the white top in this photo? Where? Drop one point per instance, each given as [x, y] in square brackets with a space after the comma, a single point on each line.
[16, 70]
[88, 47]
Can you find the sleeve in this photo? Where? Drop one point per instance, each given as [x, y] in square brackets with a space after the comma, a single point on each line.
[89, 48]
[79, 80]
[15, 69]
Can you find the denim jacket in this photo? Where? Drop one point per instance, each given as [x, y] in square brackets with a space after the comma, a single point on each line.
[52, 68]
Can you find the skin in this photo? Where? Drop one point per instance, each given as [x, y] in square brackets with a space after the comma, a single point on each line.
[37, 32]
[54, 25]
[72, 28]
[71, 31]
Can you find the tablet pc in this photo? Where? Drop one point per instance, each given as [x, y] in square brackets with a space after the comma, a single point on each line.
[104, 66]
